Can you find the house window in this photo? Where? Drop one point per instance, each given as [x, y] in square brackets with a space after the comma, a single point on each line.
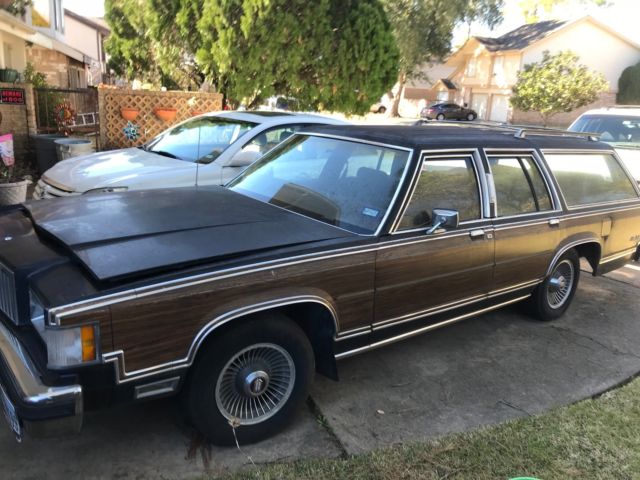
[471, 67]
[58, 16]
[40, 13]
[498, 66]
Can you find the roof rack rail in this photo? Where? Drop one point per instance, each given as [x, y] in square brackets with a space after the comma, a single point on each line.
[520, 131]
[622, 106]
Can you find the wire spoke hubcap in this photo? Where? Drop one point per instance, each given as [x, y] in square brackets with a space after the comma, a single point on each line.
[560, 284]
[255, 383]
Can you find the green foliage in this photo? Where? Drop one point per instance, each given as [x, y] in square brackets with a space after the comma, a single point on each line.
[629, 86]
[331, 54]
[47, 100]
[558, 83]
[17, 7]
[37, 79]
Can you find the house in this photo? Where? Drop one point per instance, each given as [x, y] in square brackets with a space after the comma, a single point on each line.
[66, 47]
[486, 68]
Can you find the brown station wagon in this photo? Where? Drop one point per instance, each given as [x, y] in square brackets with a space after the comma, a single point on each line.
[340, 240]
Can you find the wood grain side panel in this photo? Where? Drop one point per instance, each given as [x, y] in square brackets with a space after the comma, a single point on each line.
[160, 328]
[523, 253]
[428, 274]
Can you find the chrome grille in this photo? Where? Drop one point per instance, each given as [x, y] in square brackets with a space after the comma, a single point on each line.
[47, 190]
[8, 301]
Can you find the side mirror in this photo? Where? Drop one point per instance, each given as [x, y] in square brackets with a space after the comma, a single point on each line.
[445, 219]
[244, 158]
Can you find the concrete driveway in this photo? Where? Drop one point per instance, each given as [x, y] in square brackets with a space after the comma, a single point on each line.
[484, 370]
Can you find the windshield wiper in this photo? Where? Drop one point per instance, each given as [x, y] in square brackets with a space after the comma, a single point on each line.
[165, 154]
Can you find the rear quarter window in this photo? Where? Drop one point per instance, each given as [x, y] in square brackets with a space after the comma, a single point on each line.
[590, 178]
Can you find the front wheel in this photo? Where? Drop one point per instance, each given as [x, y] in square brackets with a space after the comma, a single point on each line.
[552, 297]
[471, 117]
[440, 117]
[251, 379]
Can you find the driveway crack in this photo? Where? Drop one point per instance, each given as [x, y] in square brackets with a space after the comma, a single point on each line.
[609, 348]
[514, 407]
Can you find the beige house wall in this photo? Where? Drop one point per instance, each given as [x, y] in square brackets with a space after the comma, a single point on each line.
[598, 49]
[81, 37]
[12, 52]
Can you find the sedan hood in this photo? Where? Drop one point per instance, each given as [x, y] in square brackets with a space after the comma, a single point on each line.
[117, 168]
[124, 234]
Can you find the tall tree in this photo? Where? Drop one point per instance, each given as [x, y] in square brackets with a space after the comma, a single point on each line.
[558, 83]
[331, 54]
[629, 86]
[424, 30]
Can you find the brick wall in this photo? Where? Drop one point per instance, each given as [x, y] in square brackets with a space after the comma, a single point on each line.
[54, 65]
[20, 121]
[562, 120]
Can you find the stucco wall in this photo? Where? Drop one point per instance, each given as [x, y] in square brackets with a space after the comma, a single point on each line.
[17, 47]
[81, 37]
[597, 48]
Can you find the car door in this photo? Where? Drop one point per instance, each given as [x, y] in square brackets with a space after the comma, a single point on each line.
[525, 222]
[425, 279]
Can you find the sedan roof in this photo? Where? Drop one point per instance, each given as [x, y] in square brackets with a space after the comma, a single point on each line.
[261, 116]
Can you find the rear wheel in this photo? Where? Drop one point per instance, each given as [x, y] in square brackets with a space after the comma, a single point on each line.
[553, 296]
[251, 379]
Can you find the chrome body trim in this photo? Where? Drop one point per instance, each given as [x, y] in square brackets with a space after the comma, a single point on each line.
[428, 328]
[8, 298]
[611, 258]
[159, 387]
[568, 247]
[27, 381]
[118, 357]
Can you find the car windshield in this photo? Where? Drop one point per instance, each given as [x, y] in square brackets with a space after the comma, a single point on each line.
[199, 140]
[614, 129]
[339, 182]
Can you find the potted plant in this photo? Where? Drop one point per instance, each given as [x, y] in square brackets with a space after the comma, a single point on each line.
[13, 182]
[166, 114]
[129, 113]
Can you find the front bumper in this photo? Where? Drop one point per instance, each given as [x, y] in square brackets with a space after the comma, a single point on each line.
[30, 405]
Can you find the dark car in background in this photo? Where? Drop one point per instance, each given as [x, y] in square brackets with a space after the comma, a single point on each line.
[448, 111]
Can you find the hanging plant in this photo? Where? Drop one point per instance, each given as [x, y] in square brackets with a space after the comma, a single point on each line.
[129, 113]
[166, 114]
[131, 131]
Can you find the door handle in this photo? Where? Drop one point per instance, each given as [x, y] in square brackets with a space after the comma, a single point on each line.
[554, 222]
[476, 234]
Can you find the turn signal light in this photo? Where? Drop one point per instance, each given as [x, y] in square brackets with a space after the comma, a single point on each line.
[88, 339]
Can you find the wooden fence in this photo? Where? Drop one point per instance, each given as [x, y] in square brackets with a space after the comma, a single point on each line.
[117, 132]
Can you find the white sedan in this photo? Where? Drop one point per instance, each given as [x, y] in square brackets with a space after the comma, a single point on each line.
[210, 149]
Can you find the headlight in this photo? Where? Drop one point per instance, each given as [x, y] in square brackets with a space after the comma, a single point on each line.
[70, 346]
[107, 190]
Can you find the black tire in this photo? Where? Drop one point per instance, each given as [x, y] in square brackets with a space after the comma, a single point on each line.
[207, 390]
[556, 288]
[440, 117]
[471, 117]
[382, 110]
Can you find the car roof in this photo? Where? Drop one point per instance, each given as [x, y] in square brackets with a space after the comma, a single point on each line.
[440, 135]
[276, 118]
[617, 110]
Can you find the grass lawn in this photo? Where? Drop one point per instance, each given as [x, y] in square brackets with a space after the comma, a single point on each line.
[593, 439]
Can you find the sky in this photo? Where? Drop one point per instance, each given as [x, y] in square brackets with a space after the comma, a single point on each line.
[622, 15]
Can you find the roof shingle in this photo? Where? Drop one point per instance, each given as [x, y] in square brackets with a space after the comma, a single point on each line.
[521, 37]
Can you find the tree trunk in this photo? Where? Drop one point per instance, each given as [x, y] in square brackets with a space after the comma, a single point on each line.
[395, 108]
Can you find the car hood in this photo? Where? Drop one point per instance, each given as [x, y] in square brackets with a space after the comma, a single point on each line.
[117, 168]
[128, 234]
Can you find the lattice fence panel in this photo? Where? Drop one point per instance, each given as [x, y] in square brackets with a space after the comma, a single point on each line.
[112, 124]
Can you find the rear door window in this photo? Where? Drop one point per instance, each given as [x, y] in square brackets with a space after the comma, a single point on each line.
[520, 187]
[590, 178]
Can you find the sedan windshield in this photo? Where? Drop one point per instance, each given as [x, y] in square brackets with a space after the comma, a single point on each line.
[199, 140]
[614, 129]
[343, 183]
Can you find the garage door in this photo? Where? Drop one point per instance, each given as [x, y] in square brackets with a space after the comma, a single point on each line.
[499, 108]
[479, 104]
